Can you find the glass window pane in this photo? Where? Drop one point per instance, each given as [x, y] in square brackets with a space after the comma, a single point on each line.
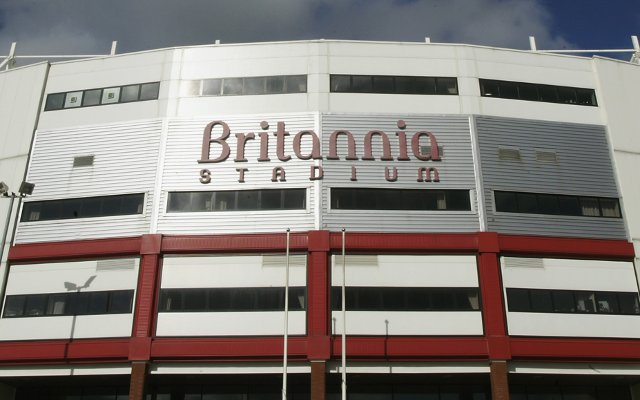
[342, 199]
[586, 97]
[628, 303]
[270, 299]
[232, 86]
[149, 91]
[130, 93]
[417, 299]
[489, 88]
[14, 306]
[447, 86]
[568, 205]
[253, 86]
[518, 300]
[54, 101]
[121, 301]
[528, 91]
[201, 201]
[78, 303]
[548, 204]
[92, 97]
[248, 200]
[297, 298]
[505, 202]
[296, 83]
[563, 301]
[111, 95]
[585, 302]
[50, 210]
[590, 206]
[195, 300]
[340, 83]
[369, 298]
[527, 203]
[275, 84]
[99, 302]
[270, 199]
[541, 301]
[71, 209]
[466, 300]
[219, 299]
[35, 304]
[405, 84]
[383, 84]
[361, 84]
[607, 303]
[548, 93]
[190, 88]
[31, 211]
[211, 87]
[442, 300]
[610, 208]
[509, 90]
[73, 99]
[242, 299]
[170, 300]
[425, 85]
[225, 201]
[56, 304]
[567, 95]
[91, 207]
[458, 200]
[112, 205]
[365, 199]
[393, 299]
[133, 204]
[540, 392]
[388, 199]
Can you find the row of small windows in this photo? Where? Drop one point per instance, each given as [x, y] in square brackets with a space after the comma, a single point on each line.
[406, 299]
[75, 303]
[87, 207]
[231, 299]
[537, 92]
[569, 392]
[552, 204]
[97, 97]
[238, 200]
[400, 199]
[244, 86]
[394, 84]
[572, 301]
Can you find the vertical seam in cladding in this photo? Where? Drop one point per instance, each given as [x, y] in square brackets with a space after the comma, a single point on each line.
[480, 195]
[157, 187]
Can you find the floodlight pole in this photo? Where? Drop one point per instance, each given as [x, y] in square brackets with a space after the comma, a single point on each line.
[286, 322]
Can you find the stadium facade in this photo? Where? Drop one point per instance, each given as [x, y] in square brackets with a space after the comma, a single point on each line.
[488, 197]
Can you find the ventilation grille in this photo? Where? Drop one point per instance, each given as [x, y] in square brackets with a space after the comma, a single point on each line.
[516, 262]
[84, 161]
[546, 156]
[280, 260]
[509, 154]
[426, 151]
[358, 260]
[117, 264]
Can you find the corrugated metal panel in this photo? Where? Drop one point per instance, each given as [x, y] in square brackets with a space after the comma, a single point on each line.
[582, 167]
[182, 172]
[126, 156]
[455, 170]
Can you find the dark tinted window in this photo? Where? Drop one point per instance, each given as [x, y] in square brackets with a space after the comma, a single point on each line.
[121, 302]
[130, 93]
[340, 83]
[149, 91]
[99, 303]
[563, 301]
[550, 204]
[576, 301]
[195, 300]
[14, 306]
[91, 97]
[399, 199]
[518, 300]
[83, 208]
[509, 90]
[361, 84]
[54, 102]
[541, 301]
[248, 200]
[537, 92]
[406, 299]
[394, 84]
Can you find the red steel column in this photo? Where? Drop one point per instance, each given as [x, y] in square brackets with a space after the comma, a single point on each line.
[318, 343]
[493, 311]
[140, 347]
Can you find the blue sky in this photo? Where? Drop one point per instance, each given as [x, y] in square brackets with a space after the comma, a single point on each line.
[89, 26]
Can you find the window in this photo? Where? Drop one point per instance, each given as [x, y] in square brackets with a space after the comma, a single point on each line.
[87, 207]
[96, 97]
[553, 204]
[71, 303]
[537, 92]
[238, 200]
[400, 199]
[406, 299]
[572, 301]
[231, 299]
[244, 86]
[394, 84]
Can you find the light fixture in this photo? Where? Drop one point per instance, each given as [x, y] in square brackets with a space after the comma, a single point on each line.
[26, 188]
[3, 188]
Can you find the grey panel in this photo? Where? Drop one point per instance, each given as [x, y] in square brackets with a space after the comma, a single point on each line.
[456, 172]
[583, 167]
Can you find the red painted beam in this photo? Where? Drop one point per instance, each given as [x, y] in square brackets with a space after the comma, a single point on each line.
[232, 243]
[63, 350]
[572, 349]
[412, 242]
[566, 247]
[422, 348]
[81, 249]
[227, 348]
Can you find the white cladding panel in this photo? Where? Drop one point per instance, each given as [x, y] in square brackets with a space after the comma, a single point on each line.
[231, 271]
[406, 271]
[181, 172]
[573, 325]
[51, 277]
[61, 327]
[554, 273]
[456, 171]
[125, 161]
[230, 323]
[431, 323]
